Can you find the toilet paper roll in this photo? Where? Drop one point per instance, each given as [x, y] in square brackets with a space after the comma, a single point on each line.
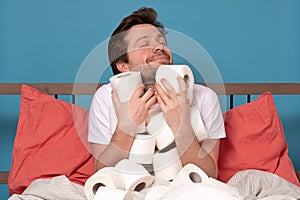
[136, 177]
[105, 177]
[197, 124]
[115, 194]
[125, 84]
[170, 72]
[159, 128]
[166, 165]
[113, 120]
[189, 174]
[156, 192]
[164, 136]
[142, 149]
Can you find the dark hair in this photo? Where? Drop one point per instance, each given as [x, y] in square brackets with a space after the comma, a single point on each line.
[117, 47]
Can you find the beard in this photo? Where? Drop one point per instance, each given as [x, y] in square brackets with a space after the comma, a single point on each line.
[148, 73]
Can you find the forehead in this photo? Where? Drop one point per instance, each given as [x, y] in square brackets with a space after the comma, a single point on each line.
[141, 30]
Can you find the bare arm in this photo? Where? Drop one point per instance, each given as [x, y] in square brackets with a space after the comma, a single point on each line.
[118, 149]
[204, 154]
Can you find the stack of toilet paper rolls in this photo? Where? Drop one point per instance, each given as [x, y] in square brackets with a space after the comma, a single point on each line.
[117, 182]
[166, 164]
[191, 175]
[120, 183]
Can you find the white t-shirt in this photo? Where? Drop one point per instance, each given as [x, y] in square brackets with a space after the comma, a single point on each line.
[205, 99]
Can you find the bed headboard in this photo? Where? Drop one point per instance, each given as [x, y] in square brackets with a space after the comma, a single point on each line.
[230, 89]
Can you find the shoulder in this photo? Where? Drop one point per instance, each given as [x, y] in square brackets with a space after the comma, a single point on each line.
[204, 97]
[103, 95]
[199, 87]
[104, 89]
[204, 92]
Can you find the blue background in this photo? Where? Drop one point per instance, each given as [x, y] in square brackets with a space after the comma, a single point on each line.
[250, 41]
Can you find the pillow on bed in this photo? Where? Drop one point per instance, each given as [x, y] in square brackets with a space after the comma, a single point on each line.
[255, 140]
[51, 140]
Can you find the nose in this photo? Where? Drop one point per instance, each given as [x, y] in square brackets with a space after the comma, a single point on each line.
[157, 46]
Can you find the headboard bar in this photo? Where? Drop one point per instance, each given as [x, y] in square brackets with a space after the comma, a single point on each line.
[255, 88]
[90, 88]
[52, 88]
[3, 177]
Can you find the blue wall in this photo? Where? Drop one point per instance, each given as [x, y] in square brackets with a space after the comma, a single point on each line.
[250, 41]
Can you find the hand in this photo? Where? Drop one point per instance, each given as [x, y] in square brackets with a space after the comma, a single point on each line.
[176, 107]
[134, 112]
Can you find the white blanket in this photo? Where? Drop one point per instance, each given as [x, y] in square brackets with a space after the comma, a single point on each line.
[251, 184]
[255, 184]
[59, 187]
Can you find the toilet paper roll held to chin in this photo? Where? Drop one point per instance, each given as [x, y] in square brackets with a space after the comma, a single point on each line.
[125, 84]
[171, 72]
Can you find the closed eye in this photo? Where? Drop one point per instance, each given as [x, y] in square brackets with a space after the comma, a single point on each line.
[144, 44]
[161, 40]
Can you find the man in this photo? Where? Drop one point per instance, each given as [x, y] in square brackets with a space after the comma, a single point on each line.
[138, 43]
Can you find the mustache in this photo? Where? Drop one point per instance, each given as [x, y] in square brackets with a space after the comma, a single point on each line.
[157, 54]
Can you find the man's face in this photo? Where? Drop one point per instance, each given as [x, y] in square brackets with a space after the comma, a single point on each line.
[146, 46]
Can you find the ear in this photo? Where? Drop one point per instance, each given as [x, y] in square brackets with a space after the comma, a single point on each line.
[122, 66]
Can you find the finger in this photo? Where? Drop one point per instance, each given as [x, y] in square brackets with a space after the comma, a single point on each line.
[182, 85]
[151, 101]
[154, 109]
[161, 102]
[168, 86]
[171, 92]
[138, 92]
[148, 94]
[161, 93]
[173, 96]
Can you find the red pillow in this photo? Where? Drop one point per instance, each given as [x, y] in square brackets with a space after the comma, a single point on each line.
[255, 140]
[51, 140]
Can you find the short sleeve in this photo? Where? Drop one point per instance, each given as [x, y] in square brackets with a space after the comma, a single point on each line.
[208, 103]
[99, 126]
